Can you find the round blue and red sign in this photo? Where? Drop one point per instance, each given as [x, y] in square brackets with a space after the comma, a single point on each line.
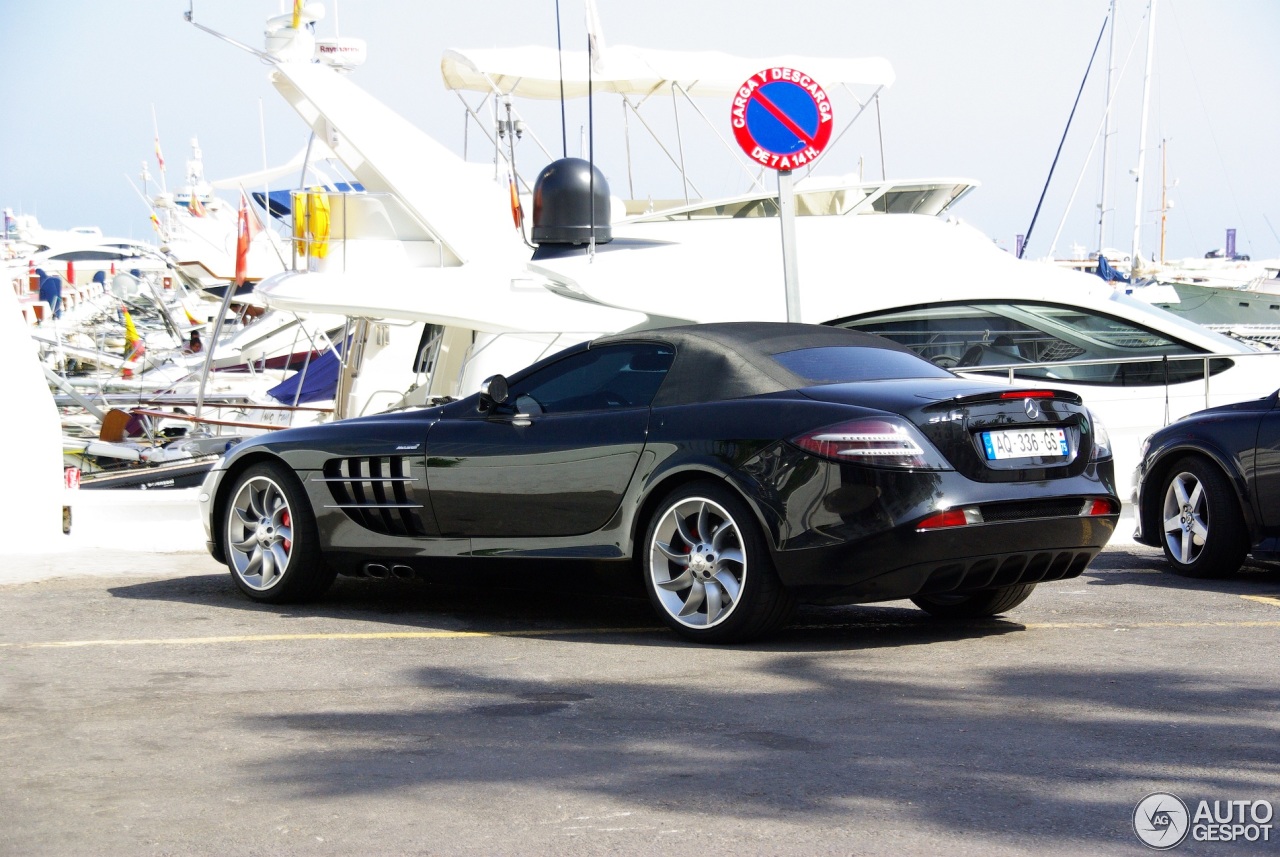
[781, 118]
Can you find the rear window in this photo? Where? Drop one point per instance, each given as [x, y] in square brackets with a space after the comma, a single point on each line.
[836, 364]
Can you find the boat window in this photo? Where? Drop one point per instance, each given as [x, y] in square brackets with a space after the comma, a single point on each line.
[428, 353]
[967, 336]
[841, 363]
[931, 200]
[88, 256]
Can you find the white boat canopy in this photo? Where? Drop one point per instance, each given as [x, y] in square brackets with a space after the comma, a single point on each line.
[535, 71]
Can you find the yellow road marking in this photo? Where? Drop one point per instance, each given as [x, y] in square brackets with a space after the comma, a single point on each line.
[1041, 626]
[553, 632]
[1273, 600]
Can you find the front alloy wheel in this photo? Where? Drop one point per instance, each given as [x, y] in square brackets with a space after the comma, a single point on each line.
[1204, 535]
[259, 533]
[270, 537]
[708, 570]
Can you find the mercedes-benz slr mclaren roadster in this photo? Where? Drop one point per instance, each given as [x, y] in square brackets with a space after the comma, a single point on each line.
[738, 467]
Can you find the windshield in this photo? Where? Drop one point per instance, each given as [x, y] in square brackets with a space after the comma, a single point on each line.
[967, 336]
[1223, 342]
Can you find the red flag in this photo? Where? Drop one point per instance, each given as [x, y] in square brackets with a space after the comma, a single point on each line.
[517, 211]
[242, 241]
[159, 157]
[196, 207]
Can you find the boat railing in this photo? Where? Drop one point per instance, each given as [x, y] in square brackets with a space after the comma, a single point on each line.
[217, 423]
[1051, 371]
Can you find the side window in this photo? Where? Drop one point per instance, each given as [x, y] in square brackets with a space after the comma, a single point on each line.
[617, 376]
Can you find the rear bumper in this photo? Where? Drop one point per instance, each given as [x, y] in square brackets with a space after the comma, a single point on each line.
[903, 562]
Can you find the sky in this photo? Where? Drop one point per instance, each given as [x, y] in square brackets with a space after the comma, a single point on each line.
[983, 91]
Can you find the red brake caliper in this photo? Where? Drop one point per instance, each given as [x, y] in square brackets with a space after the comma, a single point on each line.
[285, 520]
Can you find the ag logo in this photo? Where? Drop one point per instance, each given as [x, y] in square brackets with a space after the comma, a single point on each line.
[1161, 821]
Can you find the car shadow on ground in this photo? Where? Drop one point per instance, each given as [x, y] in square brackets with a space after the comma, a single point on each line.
[583, 603]
[1146, 566]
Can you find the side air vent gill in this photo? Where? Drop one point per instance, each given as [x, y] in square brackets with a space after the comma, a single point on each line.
[375, 492]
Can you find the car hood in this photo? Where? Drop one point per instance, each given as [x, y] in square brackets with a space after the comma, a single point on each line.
[1264, 404]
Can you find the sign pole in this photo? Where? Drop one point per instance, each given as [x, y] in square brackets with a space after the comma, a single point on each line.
[790, 263]
[782, 119]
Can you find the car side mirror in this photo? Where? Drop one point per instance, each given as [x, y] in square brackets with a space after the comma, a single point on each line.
[493, 392]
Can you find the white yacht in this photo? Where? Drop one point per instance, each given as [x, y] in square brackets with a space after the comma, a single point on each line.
[462, 296]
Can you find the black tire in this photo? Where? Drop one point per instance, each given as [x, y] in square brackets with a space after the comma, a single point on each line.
[1202, 529]
[975, 605]
[270, 539]
[688, 572]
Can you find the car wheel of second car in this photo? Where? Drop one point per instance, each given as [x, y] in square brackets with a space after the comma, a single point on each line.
[707, 568]
[270, 537]
[1203, 532]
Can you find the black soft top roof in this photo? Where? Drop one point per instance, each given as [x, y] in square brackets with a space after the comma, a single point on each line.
[732, 360]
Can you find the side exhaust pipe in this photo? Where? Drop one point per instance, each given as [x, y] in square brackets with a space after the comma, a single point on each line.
[403, 572]
[377, 571]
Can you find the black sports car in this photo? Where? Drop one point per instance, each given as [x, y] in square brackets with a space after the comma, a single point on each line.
[738, 466]
[1209, 488]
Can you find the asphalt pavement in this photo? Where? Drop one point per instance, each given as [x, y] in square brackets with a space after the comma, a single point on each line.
[149, 708]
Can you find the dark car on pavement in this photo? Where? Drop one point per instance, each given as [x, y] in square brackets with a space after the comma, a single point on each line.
[1209, 488]
[738, 467]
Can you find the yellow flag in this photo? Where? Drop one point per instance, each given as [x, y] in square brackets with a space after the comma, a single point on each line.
[297, 13]
[130, 331]
[319, 226]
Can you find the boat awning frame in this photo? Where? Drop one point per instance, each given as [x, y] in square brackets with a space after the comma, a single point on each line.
[636, 75]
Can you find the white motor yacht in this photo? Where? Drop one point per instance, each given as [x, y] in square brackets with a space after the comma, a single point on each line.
[889, 257]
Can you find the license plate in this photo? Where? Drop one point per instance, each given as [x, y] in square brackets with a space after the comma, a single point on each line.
[1025, 443]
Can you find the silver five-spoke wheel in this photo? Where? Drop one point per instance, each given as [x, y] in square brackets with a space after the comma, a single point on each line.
[1186, 518]
[1204, 532]
[259, 533]
[697, 562]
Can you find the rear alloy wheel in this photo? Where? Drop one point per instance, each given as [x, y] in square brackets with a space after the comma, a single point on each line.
[975, 605]
[1204, 533]
[271, 542]
[707, 568]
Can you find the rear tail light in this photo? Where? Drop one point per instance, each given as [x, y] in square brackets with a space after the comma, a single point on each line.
[1028, 394]
[1102, 506]
[874, 442]
[967, 515]
[951, 518]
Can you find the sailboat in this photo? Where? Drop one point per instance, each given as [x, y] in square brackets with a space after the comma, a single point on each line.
[1222, 291]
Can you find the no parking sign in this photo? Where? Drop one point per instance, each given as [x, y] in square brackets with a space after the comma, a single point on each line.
[782, 118]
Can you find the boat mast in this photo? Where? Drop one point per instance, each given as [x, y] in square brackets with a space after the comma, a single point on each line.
[1164, 193]
[1104, 199]
[1142, 134]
